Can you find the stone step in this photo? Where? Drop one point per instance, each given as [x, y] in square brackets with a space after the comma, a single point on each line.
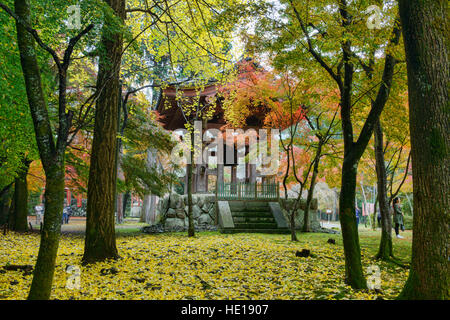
[256, 214]
[249, 206]
[273, 231]
[253, 219]
[255, 225]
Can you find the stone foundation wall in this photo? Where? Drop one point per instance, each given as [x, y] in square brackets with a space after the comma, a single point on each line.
[299, 218]
[172, 211]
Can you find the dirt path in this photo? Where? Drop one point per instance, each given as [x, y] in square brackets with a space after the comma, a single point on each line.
[77, 225]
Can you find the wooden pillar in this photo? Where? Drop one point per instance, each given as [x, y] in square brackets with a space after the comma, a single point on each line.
[233, 174]
[68, 197]
[220, 177]
[233, 179]
[202, 179]
[220, 173]
[252, 173]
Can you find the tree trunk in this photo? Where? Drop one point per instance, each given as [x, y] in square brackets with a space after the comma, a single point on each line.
[292, 211]
[45, 266]
[306, 224]
[5, 203]
[375, 214]
[148, 209]
[425, 30]
[191, 228]
[385, 249]
[100, 241]
[119, 207]
[119, 197]
[145, 205]
[353, 152]
[292, 226]
[126, 198]
[19, 217]
[52, 159]
[152, 211]
[354, 275]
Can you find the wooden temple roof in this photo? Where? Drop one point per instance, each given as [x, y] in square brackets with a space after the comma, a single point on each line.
[171, 116]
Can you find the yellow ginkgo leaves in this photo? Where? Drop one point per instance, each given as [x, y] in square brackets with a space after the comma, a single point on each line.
[211, 266]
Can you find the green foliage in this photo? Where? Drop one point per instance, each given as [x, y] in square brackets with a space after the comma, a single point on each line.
[34, 198]
[190, 39]
[142, 136]
[142, 179]
[408, 222]
[16, 126]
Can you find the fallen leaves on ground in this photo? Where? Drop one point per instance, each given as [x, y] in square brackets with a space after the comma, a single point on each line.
[210, 266]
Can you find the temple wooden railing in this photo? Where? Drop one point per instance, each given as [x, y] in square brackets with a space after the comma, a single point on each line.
[248, 191]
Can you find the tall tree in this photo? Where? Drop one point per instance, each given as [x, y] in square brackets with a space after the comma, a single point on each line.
[333, 36]
[386, 180]
[100, 242]
[345, 78]
[385, 250]
[52, 153]
[425, 30]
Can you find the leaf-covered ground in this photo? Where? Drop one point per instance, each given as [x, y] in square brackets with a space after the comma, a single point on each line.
[210, 266]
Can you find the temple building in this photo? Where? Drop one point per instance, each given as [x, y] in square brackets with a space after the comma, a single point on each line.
[229, 194]
[231, 174]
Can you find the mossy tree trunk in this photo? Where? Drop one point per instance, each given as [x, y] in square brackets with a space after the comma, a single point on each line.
[385, 249]
[354, 275]
[52, 160]
[426, 29]
[100, 241]
[19, 217]
[6, 196]
[52, 153]
[50, 234]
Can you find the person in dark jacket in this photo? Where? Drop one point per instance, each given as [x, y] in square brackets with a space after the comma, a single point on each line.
[68, 213]
[398, 217]
[64, 215]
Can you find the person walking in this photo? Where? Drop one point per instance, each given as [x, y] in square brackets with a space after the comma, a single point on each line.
[68, 213]
[64, 214]
[398, 217]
